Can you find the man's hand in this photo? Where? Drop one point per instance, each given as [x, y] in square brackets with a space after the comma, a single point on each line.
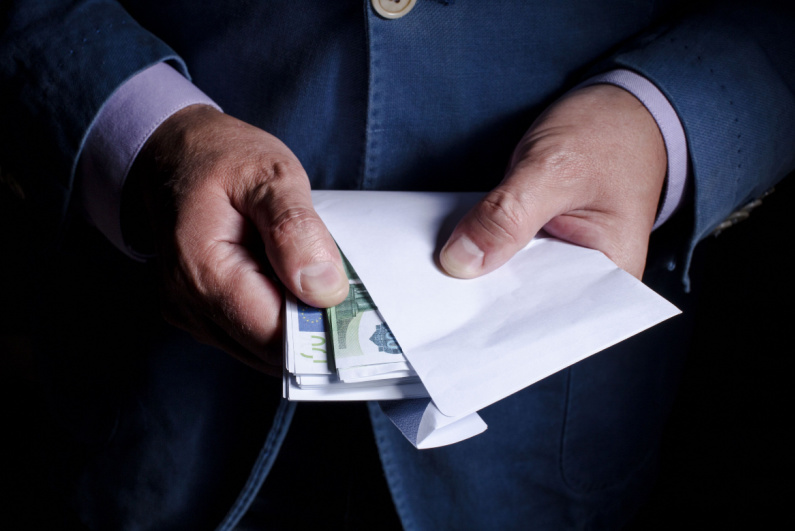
[226, 198]
[590, 171]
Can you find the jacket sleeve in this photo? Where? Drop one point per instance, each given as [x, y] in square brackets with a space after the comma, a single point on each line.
[729, 73]
[59, 62]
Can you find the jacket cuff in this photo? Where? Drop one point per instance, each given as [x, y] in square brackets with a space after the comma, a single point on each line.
[121, 129]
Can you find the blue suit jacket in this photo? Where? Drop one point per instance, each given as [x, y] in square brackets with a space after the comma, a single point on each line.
[434, 100]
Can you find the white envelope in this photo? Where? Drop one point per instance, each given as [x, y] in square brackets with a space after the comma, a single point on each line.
[474, 342]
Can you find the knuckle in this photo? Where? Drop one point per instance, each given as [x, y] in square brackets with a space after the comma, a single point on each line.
[502, 216]
[555, 154]
[295, 225]
[282, 170]
[278, 171]
[268, 168]
[561, 164]
[263, 177]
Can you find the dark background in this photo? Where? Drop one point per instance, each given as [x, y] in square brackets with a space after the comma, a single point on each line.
[727, 454]
[727, 458]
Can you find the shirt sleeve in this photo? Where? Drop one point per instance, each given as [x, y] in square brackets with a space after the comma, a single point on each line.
[670, 127]
[121, 129]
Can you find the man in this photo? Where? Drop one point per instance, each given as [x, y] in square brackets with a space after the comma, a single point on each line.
[437, 95]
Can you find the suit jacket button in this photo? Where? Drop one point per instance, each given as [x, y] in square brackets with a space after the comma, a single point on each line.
[392, 8]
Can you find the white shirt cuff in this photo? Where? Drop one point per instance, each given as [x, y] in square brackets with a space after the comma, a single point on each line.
[121, 129]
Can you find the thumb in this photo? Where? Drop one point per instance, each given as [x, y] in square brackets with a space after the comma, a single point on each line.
[589, 171]
[299, 247]
[497, 227]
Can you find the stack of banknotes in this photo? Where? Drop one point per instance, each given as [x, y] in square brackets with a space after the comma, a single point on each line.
[344, 353]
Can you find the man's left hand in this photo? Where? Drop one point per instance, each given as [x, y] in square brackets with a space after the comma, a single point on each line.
[589, 171]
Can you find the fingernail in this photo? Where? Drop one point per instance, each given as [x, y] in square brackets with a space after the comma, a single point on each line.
[320, 279]
[462, 258]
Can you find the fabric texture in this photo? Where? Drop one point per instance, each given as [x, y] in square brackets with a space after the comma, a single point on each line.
[136, 109]
[156, 431]
[733, 63]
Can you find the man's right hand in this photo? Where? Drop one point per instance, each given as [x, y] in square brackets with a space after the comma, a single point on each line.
[219, 192]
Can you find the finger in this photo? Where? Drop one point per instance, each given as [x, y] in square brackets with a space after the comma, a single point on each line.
[501, 224]
[206, 331]
[246, 304]
[298, 245]
[214, 273]
[200, 321]
[214, 335]
[621, 238]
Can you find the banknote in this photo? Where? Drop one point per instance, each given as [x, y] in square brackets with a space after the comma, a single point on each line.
[360, 337]
[347, 344]
[309, 356]
[306, 346]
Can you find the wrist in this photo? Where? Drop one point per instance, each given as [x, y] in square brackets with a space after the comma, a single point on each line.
[670, 127]
[145, 188]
